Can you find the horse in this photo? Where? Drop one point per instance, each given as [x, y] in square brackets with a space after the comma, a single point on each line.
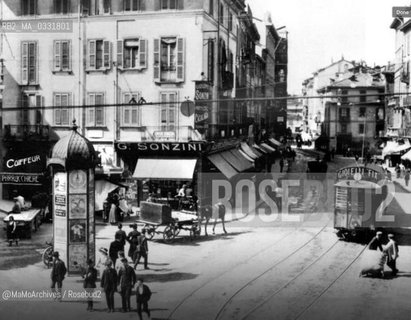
[206, 212]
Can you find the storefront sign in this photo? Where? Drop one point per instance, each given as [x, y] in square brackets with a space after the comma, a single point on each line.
[164, 135]
[202, 106]
[359, 173]
[161, 148]
[21, 178]
[11, 163]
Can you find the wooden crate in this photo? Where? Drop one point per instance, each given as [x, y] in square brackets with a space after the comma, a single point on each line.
[155, 212]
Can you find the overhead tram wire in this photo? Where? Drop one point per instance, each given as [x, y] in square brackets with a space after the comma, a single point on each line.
[258, 99]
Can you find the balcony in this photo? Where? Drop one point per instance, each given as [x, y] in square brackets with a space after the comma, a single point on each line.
[35, 132]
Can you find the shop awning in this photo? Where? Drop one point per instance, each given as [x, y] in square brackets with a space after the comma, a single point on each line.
[402, 147]
[275, 142]
[406, 156]
[258, 152]
[165, 169]
[260, 149]
[222, 165]
[389, 148]
[237, 160]
[248, 151]
[267, 148]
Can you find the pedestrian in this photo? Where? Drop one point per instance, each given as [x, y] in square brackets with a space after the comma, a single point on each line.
[141, 250]
[89, 284]
[398, 171]
[12, 231]
[103, 260]
[115, 247]
[109, 285]
[113, 211]
[376, 242]
[281, 164]
[126, 281]
[143, 295]
[58, 272]
[357, 157]
[407, 177]
[121, 234]
[132, 240]
[402, 168]
[16, 207]
[119, 263]
[391, 248]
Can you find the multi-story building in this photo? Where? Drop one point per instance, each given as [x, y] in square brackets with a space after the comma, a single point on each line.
[314, 108]
[354, 110]
[122, 69]
[295, 115]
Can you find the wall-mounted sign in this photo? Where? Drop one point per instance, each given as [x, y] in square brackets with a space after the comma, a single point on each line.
[161, 148]
[60, 183]
[360, 173]
[202, 106]
[164, 135]
[21, 178]
[187, 108]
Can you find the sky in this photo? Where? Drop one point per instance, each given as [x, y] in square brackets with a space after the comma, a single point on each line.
[322, 31]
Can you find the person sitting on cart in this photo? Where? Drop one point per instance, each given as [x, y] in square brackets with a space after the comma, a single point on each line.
[182, 191]
[16, 207]
[20, 199]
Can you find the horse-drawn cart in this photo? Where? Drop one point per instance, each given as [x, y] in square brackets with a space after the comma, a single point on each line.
[155, 215]
[27, 221]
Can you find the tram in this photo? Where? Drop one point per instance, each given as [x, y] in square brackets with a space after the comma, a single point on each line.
[362, 195]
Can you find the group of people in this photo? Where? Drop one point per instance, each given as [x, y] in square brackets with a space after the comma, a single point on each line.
[402, 172]
[390, 249]
[118, 208]
[116, 274]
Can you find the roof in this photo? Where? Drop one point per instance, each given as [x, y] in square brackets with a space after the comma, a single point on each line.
[359, 80]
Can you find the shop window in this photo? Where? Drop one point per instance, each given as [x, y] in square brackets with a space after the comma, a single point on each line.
[168, 110]
[132, 5]
[131, 112]
[169, 59]
[62, 55]
[62, 112]
[98, 55]
[28, 7]
[132, 53]
[29, 62]
[61, 6]
[95, 115]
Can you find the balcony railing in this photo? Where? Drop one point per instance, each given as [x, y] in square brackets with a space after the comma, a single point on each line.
[26, 132]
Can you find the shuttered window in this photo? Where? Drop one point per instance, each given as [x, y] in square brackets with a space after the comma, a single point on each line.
[168, 110]
[29, 62]
[169, 59]
[62, 114]
[98, 55]
[131, 112]
[61, 6]
[132, 53]
[28, 7]
[132, 5]
[62, 55]
[95, 115]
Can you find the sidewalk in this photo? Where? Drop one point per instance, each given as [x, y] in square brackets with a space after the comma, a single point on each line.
[399, 181]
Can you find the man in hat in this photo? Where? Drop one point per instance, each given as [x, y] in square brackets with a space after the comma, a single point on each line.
[103, 260]
[89, 284]
[121, 234]
[126, 281]
[143, 295]
[391, 248]
[115, 247]
[132, 239]
[141, 250]
[109, 284]
[58, 271]
[376, 242]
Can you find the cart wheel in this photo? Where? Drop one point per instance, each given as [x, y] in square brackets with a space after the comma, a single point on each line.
[149, 231]
[169, 233]
[47, 256]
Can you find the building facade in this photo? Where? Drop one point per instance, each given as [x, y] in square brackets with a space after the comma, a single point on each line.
[122, 70]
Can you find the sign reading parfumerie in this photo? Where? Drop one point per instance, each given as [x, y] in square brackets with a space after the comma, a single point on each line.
[20, 178]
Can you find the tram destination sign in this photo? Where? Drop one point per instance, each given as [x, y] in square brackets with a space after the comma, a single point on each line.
[360, 173]
[21, 178]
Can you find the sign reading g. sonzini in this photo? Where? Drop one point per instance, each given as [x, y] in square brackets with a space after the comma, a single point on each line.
[20, 178]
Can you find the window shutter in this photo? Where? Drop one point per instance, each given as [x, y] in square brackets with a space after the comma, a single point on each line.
[24, 62]
[157, 60]
[91, 54]
[57, 110]
[90, 113]
[39, 104]
[120, 46]
[180, 60]
[107, 54]
[69, 55]
[143, 53]
[56, 55]
[36, 63]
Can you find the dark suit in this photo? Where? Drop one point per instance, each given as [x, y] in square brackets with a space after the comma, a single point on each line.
[89, 284]
[109, 284]
[132, 239]
[58, 271]
[141, 251]
[375, 244]
[126, 280]
[121, 234]
[115, 247]
[143, 295]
